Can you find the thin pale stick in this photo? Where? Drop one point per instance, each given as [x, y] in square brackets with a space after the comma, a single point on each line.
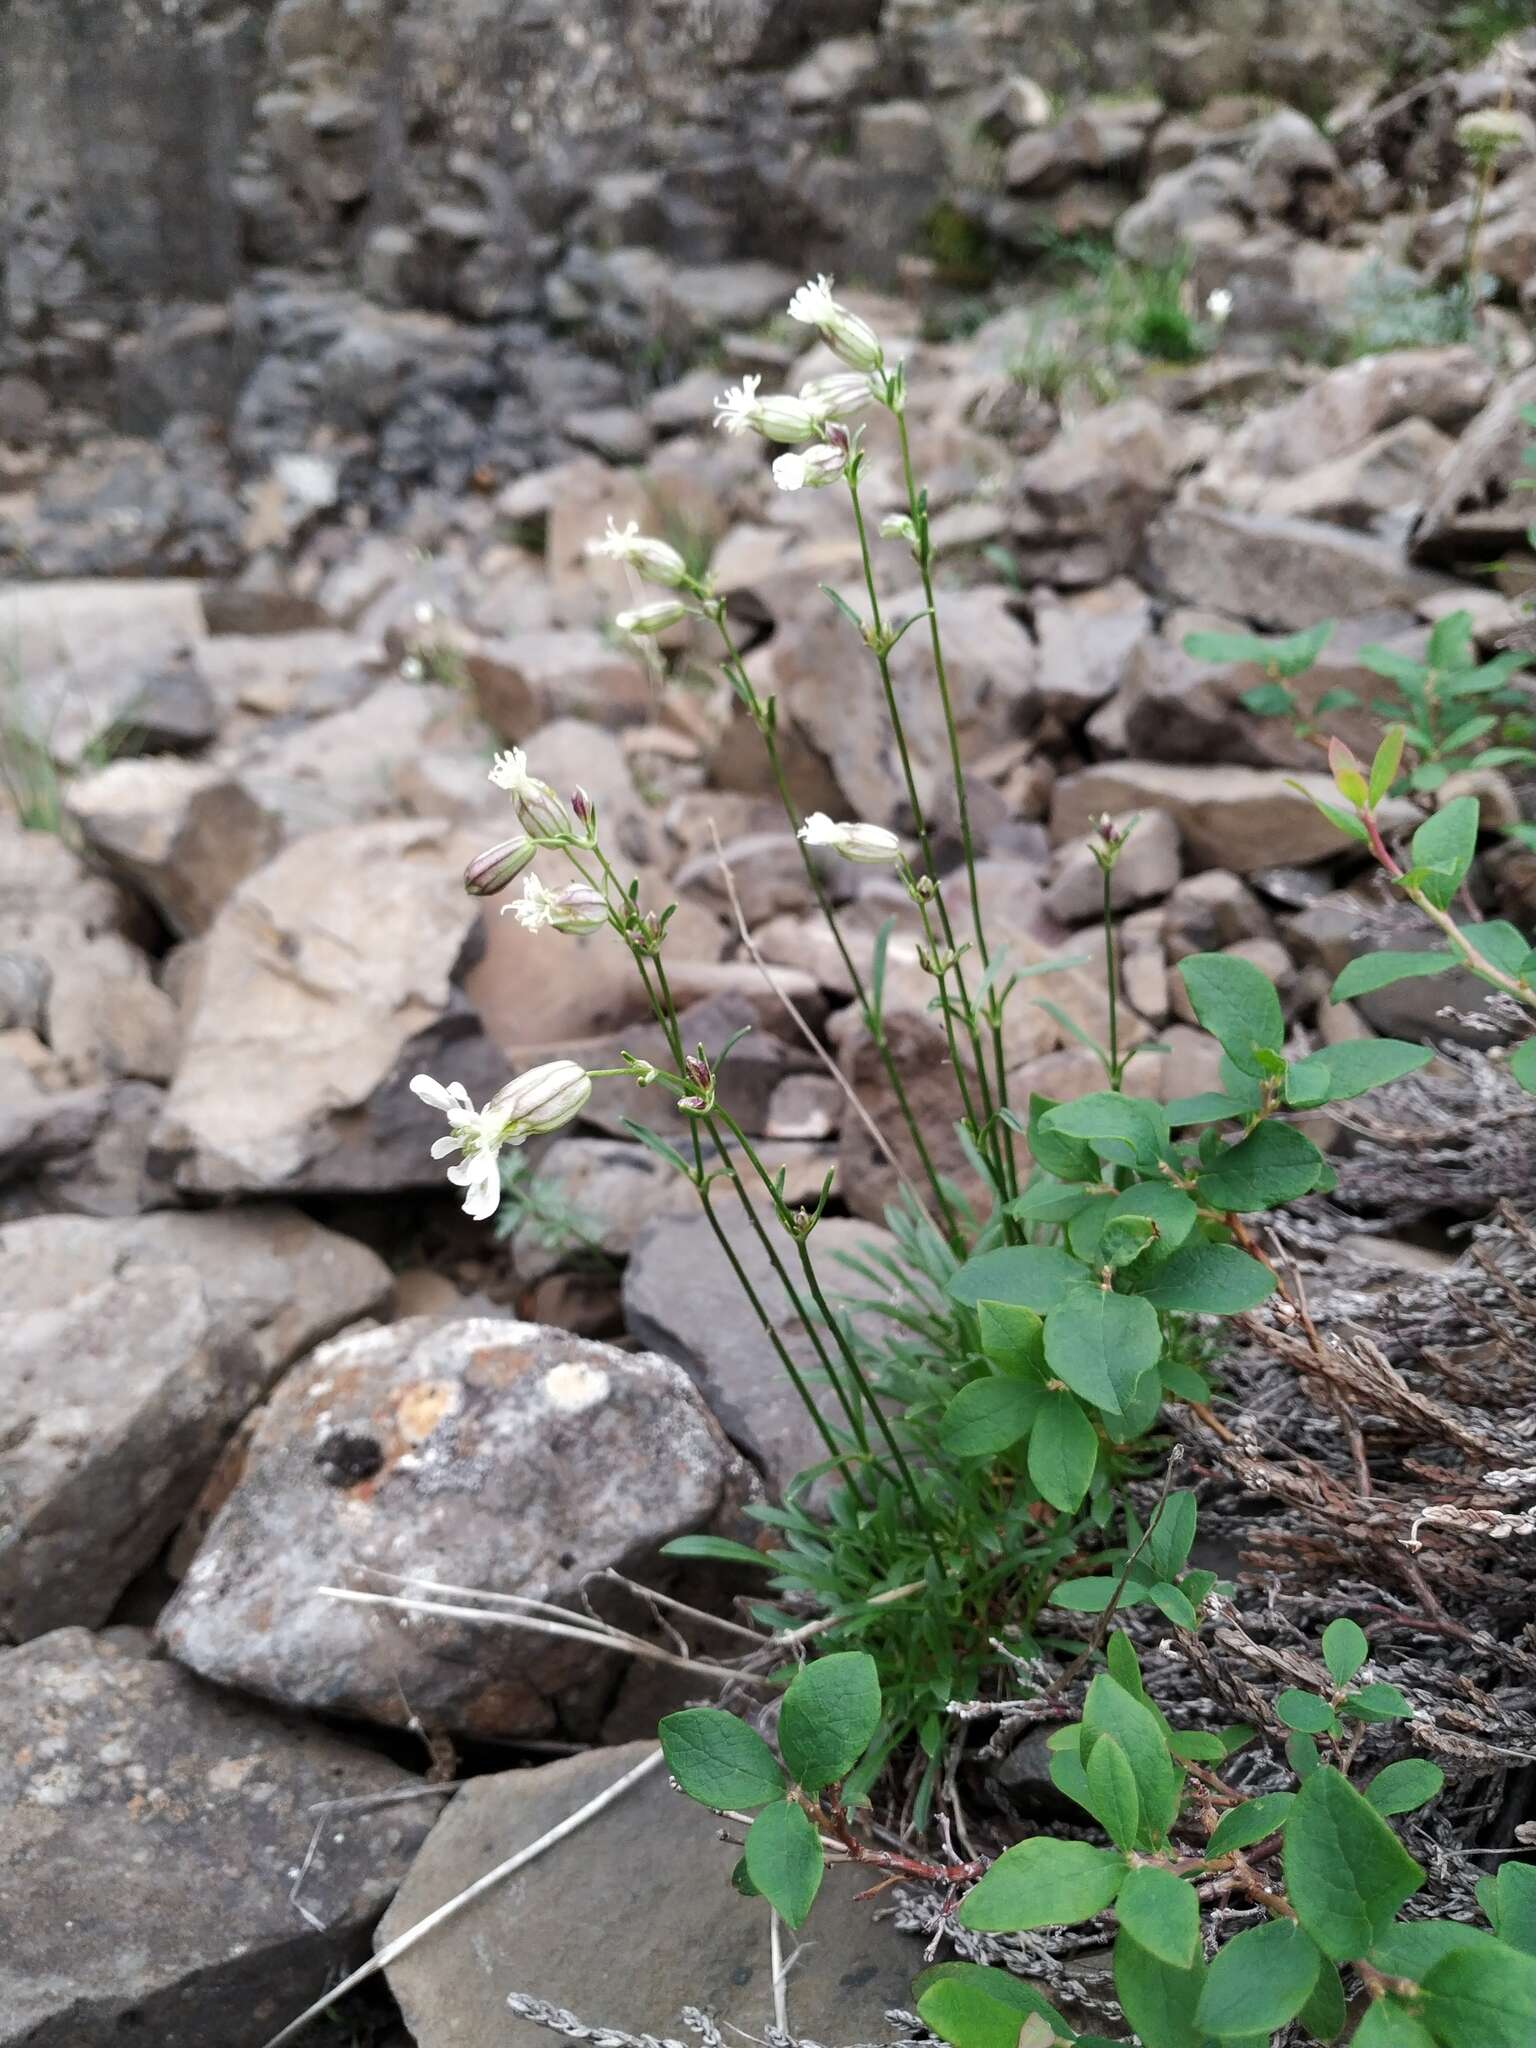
[632, 1646]
[594, 1623]
[776, 1965]
[805, 1030]
[449, 1907]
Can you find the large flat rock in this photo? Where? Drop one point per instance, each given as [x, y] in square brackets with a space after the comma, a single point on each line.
[1282, 573]
[625, 1922]
[472, 1451]
[152, 1832]
[327, 980]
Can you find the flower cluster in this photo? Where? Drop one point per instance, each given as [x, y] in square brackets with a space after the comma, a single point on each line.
[541, 1100]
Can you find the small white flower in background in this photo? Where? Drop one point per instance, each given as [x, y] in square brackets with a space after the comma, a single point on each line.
[852, 340]
[777, 417]
[425, 612]
[870, 843]
[812, 471]
[844, 392]
[655, 559]
[1219, 306]
[541, 1100]
[654, 618]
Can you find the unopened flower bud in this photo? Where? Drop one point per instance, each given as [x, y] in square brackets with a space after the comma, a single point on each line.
[852, 340]
[583, 810]
[867, 843]
[899, 526]
[697, 1070]
[542, 1099]
[657, 560]
[812, 471]
[490, 872]
[654, 618]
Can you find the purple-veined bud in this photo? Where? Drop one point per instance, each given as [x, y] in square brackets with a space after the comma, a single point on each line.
[542, 1099]
[490, 872]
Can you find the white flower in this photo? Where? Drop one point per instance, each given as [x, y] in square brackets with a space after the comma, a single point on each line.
[541, 1100]
[654, 559]
[577, 907]
[777, 417]
[1219, 306]
[735, 411]
[509, 771]
[851, 339]
[1493, 131]
[537, 804]
[844, 392]
[868, 843]
[654, 618]
[537, 905]
[899, 526]
[811, 471]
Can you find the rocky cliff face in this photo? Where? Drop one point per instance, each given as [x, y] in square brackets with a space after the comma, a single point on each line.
[497, 160]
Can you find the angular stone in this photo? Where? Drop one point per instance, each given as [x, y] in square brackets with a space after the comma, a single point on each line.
[151, 1832]
[1088, 497]
[270, 1273]
[647, 1871]
[478, 1452]
[1390, 473]
[575, 673]
[1085, 642]
[120, 1384]
[1238, 818]
[681, 1298]
[348, 948]
[991, 663]
[185, 833]
[1474, 510]
[1211, 193]
[1282, 573]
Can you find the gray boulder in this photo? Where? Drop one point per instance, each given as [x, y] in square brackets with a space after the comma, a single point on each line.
[476, 1452]
[152, 1835]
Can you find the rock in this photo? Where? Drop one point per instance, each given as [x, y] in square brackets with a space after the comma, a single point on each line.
[1281, 573]
[1506, 247]
[681, 1298]
[1086, 500]
[1206, 913]
[269, 1273]
[611, 1190]
[650, 1858]
[1238, 818]
[865, 1178]
[1085, 642]
[121, 1383]
[37, 1125]
[834, 73]
[1342, 412]
[991, 664]
[186, 833]
[131, 508]
[1148, 867]
[451, 1450]
[1210, 199]
[1391, 473]
[151, 1832]
[1296, 175]
[1475, 509]
[349, 947]
[575, 673]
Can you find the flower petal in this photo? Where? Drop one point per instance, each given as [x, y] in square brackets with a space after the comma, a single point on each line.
[431, 1092]
[483, 1197]
[444, 1148]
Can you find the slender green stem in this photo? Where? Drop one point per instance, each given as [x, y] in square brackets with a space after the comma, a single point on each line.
[918, 513]
[1111, 977]
[873, 1023]
[986, 1131]
[849, 1356]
